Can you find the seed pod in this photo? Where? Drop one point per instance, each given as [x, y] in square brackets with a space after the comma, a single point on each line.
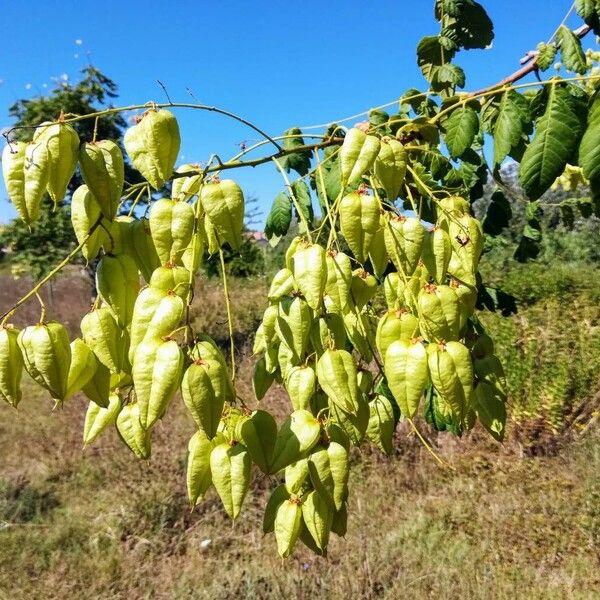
[47, 356]
[199, 477]
[209, 234]
[450, 208]
[357, 155]
[102, 334]
[171, 227]
[310, 273]
[437, 250]
[282, 285]
[298, 434]
[261, 378]
[205, 349]
[339, 279]
[97, 419]
[143, 250]
[153, 145]
[354, 426]
[192, 255]
[287, 525]
[259, 433]
[490, 408]
[320, 473]
[466, 237]
[85, 213]
[452, 375]
[171, 278]
[185, 188]
[404, 242]
[467, 298]
[166, 317]
[289, 253]
[269, 322]
[301, 384]
[82, 368]
[103, 170]
[378, 253]
[286, 360]
[118, 283]
[393, 288]
[11, 365]
[36, 175]
[120, 240]
[395, 325]
[62, 144]
[293, 325]
[381, 424]
[339, 465]
[130, 430]
[157, 372]
[360, 330]
[16, 156]
[364, 380]
[98, 388]
[359, 222]
[414, 284]
[204, 390]
[363, 288]
[231, 472]
[223, 202]
[390, 167]
[277, 497]
[327, 332]
[407, 374]
[438, 313]
[318, 516]
[336, 373]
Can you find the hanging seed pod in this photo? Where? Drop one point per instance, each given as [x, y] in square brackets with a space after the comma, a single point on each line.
[82, 368]
[143, 250]
[298, 434]
[277, 497]
[395, 325]
[437, 250]
[259, 433]
[287, 525]
[102, 334]
[103, 170]
[171, 278]
[293, 325]
[185, 188]
[336, 373]
[282, 285]
[339, 279]
[380, 429]
[231, 473]
[404, 242]
[390, 167]
[359, 222]
[11, 365]
[131, 431]
[310, 273]
[439, 318]
[199, 477]
[301, 384]
[153, 145]
[85, 213]
[357, 155]
[223, 202]
[97, 418]
[317, 515]
[377, 252]
[363, 288]
[118, 283]
[171, 227]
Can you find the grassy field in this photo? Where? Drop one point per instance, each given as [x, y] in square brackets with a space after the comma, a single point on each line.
[521, 520]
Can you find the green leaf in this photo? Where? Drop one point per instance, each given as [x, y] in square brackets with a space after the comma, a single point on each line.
[529, 244]
[302, 195]
[461, 127]
[589, 148]
[494, 299]
[498, 214]
[557, 135]
[546, 55]
[513, 110]
[431, 55]
[571, 51]
[588, 10]
[279, 219]
[475, 28]
[448, 76]
[299, 161]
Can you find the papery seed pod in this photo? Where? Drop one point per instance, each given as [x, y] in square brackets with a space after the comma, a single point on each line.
[62, 144]
[103, 170]
[298, 434]
[142, 248]
[357, 155]
[359, 222]
[390, 167]
[261, 379]
[395, 325]
[108, 342]
[317, 515]
[293, 325]
[282, 285]
[363, 288]
[339, 464]
[11, 365]
[231, 473]
[85, 213]
[36, 174]
[310, 273]
[339, 279]
[199, 477]
[259, 433]
[82, 368]
[287, 525]
[336, 373]
[404, 242]
[223, 202]
[439, 318]
[13, 170]
[131, 431]
[153, 145]
[171, 227]
[118, 283]
[353, 426]
[378, 253]
[380, 429]
[301, 384]
[187, 187]
[171, 278]
[277, 497]
[97, 419]
[437, 250]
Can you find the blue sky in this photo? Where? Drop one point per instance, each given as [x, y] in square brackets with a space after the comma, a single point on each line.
[279, 64]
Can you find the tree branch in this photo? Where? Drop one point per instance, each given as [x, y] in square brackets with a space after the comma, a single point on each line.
[530, 64]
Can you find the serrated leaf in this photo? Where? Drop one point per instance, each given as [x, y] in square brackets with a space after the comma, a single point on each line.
[589, 11]
[279, 218]
[546, 55]
[513, 112]
[557, 135]
[302, 196]
[447, 76]
[431, 55]
[461, 127]
[298, 161]
[475, 28]
[589, 148]
[498, 214]
[571, 51]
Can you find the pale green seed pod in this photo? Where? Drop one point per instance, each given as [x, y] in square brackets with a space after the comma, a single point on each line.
[357, 155]
[171, 227]
[301, 384]
[259, 432]
[390, 167]
[97, 418]
[47, 356]
[142, 248]
[310, 273]
[118, 283]
[83, 367]
[103, 170]
[171, 278]
[298, 434]
[317, 515]
[85, 213]
[37, 172]
[11, 365]
[336, 373]
[108, 342]
[231, 473]
[153, 145]
[223, 203]
[287, 525]
[198, 476]
[131, 431]
[185, 188]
